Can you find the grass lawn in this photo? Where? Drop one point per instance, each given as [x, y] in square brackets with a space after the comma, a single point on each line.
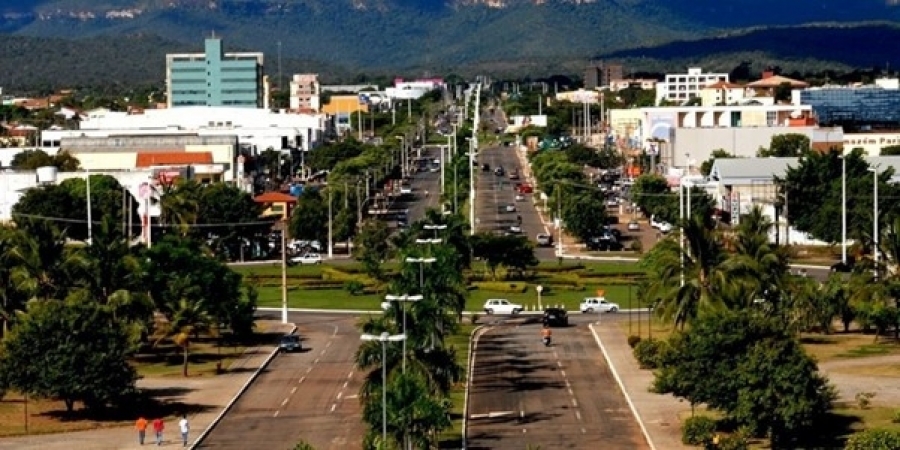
[44, 417]
[166, 360]
[847, 345]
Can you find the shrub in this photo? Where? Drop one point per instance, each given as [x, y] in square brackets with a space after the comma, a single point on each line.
[736, 441]
[648, 352]
[864, 399]
[698, 430]
[896, 418]
[874, 439]
[502, 287]
[636, 246]
[633, 340]
[354, 287]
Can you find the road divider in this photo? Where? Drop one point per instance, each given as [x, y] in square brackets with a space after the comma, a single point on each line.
[473, 345]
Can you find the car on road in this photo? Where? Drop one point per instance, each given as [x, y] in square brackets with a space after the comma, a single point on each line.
[660, 225]
[634, 226]
[524, 188]
[290, 343]
[555, 317]
[308, 258]
[499, 171]
[405, 189]
[501, 306]
[485, 167]
[515, 229]
[842, 267]
[598, 304]
[605, 243]
[520, 198]
[544, 240]
[514, 175]
[511, 207]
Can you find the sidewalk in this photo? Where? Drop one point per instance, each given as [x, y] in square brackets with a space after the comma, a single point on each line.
[659, 413]
[211, 393]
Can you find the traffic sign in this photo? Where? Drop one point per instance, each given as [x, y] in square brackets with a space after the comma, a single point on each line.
[144, 191]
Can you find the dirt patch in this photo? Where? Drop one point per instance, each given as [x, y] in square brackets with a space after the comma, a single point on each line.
[827, 348]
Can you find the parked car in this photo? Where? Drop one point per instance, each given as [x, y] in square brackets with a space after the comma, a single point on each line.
[555, 317]
[634, 226]
[501, 306]
[544, 240]
[290, 343]
[514, 175]
[515, 229]
[598, 304]
[499, 171]
[660, 225]
[511, 207]
[524, 188]
[485, 167]
[308, 258]
[605, 243]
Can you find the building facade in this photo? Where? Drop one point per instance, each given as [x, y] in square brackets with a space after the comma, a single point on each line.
[682, 87]
[215, 78]
[599, 74]
[855, 108]
[305, 92]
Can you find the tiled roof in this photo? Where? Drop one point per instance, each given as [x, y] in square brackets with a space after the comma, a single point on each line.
[172, 159]
[274, 197]
[775, 81]
[723, 85]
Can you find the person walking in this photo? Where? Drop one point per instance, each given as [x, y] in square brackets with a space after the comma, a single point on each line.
[158, 428]
[141, 426]
[184, 427]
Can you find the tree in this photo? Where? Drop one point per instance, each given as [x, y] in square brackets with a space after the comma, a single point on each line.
[186, 319]
[328, 156]
[82, 352]
[651, 192]
[786, 145]
[372, 247]
[309, 220]
[706, 166]
[33, 159]
[414, 414]
[514, 252]
[44, 267]
[766, 382]
[585, 214]
[232, 220]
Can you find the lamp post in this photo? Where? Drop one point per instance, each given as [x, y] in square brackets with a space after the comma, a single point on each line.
[875, 239]
[284, 302]
[402, 299]
[434, 228]
[421, 262]
[843, 210]
[402, 140]
[471, 186]
[383, 338]
[681, 225]
[90, 233]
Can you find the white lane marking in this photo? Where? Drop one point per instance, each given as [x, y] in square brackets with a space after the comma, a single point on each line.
[491, 415]
[563, 372]
[583, 431]
[316, 361]
[345, 384]
[328, 344]
[574, 403]
[578, 415]
[323, 351]
[559, 363]
[333, 406]
[350, 375]
[335, 331]
[571, 393]
[301, 380]
[293, 390]
[284, 402]
[351, 396]
[568, 385]
[308, 369]
[276, 414]
[340, 394]
[521, 414]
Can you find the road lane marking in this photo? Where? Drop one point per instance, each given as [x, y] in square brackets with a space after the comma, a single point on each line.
[333, 406]
[578, 415]
[293, 390]
[335, 331]
[276, 414]
[308, 369]
[559, 363]
[574, 403]
[571, 393]
[284, 402]
[323, 351]
[350, 375]
[491, 415]
[583, 431]
[340, 394]
[351, 396]
[328, 344]
[316, 361]
[568, 385]
[345, 384]
[563, 372]
[301, 380]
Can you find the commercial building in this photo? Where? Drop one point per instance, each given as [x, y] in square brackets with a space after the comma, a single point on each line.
[857, 108]
[599, 74]
[216, 78]
[682, 87]
[305, 93]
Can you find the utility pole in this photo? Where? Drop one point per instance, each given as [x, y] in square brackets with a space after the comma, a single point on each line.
[284, 302]
[330, 226]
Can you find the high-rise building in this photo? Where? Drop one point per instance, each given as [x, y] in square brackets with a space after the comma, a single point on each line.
[875, 106]
[680, 88]
[305, 92]
[600, 74]
[215, 78]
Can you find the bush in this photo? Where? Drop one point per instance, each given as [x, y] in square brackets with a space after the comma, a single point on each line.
[501, 287]
[874, 439]
[633, 340]
[864, 399]
[895, 419]
[354, 287]
[648, 352]
[736, 441]
[698, 430]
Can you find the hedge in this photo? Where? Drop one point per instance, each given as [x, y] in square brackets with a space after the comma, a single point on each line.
[698, 430]
[501, 287]
[874, 439]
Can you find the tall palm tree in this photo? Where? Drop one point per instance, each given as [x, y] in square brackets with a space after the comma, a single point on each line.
[185, 320]
[707, 285]
[111, 264]
[178, 204]
[762, 267]
[44, 266]
[10, 299]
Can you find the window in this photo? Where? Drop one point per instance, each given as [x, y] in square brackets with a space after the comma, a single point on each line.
[277, 207]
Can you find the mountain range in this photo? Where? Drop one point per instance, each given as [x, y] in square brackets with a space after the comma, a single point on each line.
[344, 37]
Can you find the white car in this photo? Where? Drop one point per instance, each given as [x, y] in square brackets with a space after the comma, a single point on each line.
[309, 258]
[510, 208]
[501, 306]
[515, 229]
[598, 304]
[634, 226]
[660, 225]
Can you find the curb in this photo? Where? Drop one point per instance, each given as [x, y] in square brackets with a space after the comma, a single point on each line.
[473, 344]
[612, 368]
[464, 313]
[236, 397]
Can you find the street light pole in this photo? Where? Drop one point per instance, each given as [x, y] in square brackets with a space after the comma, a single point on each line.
[90, 221]
[681, 226]
[421, 262]
[843, 210]
[383, 338]
[284, 302]
[402, 299]
[875, 239]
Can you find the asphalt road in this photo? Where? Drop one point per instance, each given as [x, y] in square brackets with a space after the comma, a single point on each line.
[562, 396]
[494, 193]
[421, 182]
[309, 396]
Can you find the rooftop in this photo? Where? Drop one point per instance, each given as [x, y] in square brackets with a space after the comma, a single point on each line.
[274, 197]
[172, 159]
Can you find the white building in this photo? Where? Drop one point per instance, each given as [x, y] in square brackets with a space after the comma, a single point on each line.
[681, 87]
[639, 83]
[305, 93]
[254, 128]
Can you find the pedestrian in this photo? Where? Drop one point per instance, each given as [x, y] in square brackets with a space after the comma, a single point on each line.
[158, 428]
[141, 426]
[184, 427]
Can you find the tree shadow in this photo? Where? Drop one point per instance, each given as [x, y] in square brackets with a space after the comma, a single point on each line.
[138, 405]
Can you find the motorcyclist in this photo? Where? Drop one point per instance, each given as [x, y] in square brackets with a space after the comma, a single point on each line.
[546, 333]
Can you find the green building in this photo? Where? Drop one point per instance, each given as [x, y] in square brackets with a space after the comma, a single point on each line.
[216, 78]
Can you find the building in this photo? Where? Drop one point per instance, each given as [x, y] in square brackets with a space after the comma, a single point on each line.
[276, 204]
[342, 108]
[216, 78]
[856, 108]
[723, 93]
[305, 93]
[681, 88]
[684, 136]
[645, 84]
[599, 74]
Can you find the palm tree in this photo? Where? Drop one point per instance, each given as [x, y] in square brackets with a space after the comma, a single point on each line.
[43, 266]
[414, 414]
[111, 264]
[707, 285]
[178, 204]
[185, 320]
[762, 267]
[10, 299]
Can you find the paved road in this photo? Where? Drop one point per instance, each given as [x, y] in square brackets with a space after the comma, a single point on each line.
[494, 193]
[309, 396]
[421, 182]
[563, 396]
